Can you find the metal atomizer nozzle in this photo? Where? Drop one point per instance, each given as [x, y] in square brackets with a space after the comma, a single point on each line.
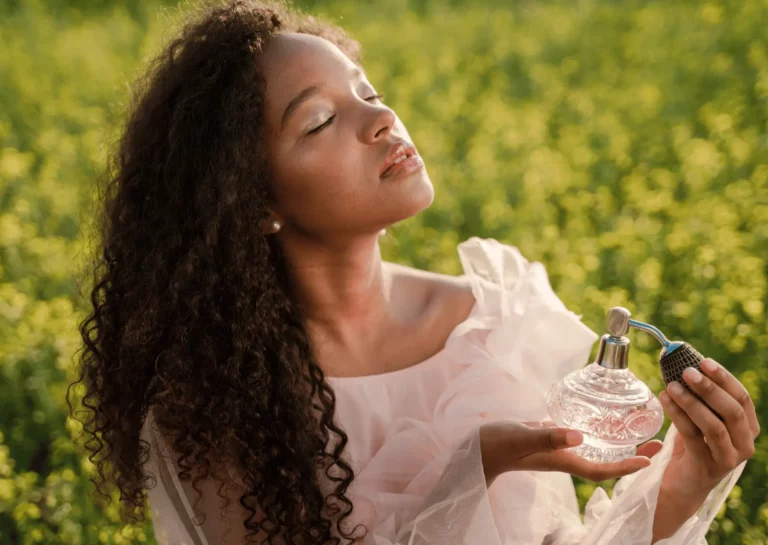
[675, 356]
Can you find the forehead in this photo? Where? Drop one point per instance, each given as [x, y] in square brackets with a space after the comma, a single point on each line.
[293, 61]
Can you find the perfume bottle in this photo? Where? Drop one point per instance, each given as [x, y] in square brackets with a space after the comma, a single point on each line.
[614, 410]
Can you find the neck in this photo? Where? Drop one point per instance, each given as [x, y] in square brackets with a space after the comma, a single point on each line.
[342, 286]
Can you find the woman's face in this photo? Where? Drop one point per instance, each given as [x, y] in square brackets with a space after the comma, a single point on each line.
[327, 152]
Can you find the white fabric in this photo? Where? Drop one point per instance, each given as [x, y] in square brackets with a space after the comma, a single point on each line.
[419, 476]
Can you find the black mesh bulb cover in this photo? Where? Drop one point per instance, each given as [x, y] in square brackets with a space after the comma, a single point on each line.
[674, 363]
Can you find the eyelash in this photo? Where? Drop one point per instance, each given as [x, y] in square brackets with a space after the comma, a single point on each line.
[328, 122]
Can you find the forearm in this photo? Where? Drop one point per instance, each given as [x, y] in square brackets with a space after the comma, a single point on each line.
[672, 510]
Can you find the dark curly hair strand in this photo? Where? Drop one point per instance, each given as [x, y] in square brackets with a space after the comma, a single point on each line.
[192, 316]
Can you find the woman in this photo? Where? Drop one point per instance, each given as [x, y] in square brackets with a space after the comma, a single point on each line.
[257, 363]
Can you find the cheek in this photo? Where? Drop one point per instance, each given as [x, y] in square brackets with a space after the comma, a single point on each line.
[327, 169]
[323, 182]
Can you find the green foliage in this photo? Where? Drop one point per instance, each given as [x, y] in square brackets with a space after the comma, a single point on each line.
[623, 144]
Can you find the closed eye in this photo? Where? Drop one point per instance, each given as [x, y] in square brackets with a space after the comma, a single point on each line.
[330, 119]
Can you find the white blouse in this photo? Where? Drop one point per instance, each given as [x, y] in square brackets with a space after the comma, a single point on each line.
[414, 440]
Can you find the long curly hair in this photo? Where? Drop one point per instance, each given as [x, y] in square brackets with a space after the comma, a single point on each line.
[191, 313]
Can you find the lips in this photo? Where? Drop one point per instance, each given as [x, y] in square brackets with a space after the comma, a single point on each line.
[401, 149]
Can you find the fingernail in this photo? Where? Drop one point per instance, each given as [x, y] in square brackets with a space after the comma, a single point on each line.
[708, 365]
[675, 388]
[663, 397]
[693, 375]
[573, 438]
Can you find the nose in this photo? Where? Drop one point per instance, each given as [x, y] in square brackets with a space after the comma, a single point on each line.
[382, 120]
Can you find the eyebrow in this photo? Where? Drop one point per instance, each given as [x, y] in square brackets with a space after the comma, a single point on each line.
[294, 104]
[308, 93]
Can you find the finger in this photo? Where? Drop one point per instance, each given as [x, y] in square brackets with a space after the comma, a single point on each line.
[689, 432]
[715, 433]
[650, 449]
[692, 435]
[734, 417]
[724, 437]
[725, 379]
[595, 471]
[570, 462]
[547, 439]
[678, 416]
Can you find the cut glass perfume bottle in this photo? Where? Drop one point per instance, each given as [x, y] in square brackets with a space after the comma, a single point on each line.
[614, 410]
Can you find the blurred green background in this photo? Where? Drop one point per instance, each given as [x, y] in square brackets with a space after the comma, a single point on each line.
[623, 144]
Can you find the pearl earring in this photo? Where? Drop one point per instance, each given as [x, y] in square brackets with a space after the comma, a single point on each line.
[276, 226]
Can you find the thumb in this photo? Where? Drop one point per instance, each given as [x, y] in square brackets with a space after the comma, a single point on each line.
[549, 439]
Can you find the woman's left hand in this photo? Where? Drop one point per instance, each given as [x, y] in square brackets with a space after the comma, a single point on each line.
[706, 448]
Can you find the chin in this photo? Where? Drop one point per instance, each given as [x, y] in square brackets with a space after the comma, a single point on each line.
[404, 198]
[428, 194]
[418, 198]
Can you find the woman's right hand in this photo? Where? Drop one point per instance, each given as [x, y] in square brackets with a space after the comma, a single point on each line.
[542, 446]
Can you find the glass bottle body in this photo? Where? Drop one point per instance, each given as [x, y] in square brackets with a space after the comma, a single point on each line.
[612, 408]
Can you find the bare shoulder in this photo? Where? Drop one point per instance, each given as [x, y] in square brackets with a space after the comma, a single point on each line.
[447, 299]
